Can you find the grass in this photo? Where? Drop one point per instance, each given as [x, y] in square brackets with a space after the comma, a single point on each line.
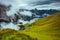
[47, 28]
[9, 34]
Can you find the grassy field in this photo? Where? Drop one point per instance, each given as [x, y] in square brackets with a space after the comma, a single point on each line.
[9, 34]
[47, 28]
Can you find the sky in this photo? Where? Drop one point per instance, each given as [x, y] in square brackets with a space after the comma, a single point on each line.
[31, 4]
[28, 4]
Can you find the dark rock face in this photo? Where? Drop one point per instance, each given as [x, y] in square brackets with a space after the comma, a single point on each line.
[3, 10]
[37, 13]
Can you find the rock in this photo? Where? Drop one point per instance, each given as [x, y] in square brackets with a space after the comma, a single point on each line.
[3, 15]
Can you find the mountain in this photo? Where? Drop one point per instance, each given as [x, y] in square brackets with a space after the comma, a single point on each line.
[3, 16]
[47, 28]
[34, 14]
[37, 13]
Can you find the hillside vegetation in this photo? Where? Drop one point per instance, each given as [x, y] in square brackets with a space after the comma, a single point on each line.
[47, 28]
[9, 34]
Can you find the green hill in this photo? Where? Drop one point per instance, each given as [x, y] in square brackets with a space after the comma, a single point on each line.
[47, 28]
[9, 34]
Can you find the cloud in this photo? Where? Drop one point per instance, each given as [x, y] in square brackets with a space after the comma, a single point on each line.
[28, 4]
[27, 13]
[16, 4]
[43, 2]
[48, 6]
[10, 25]
[56, 0]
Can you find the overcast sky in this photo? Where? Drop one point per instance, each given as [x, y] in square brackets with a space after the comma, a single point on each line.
[55, 4]
[31, 4]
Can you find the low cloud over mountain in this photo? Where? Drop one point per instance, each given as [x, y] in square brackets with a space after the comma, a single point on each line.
[43, 8]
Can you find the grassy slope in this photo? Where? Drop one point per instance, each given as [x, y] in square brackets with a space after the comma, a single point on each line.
[9, 34]
[47, 28]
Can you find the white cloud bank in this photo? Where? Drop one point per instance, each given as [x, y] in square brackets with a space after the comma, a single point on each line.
[27, 13]
[10, 25]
